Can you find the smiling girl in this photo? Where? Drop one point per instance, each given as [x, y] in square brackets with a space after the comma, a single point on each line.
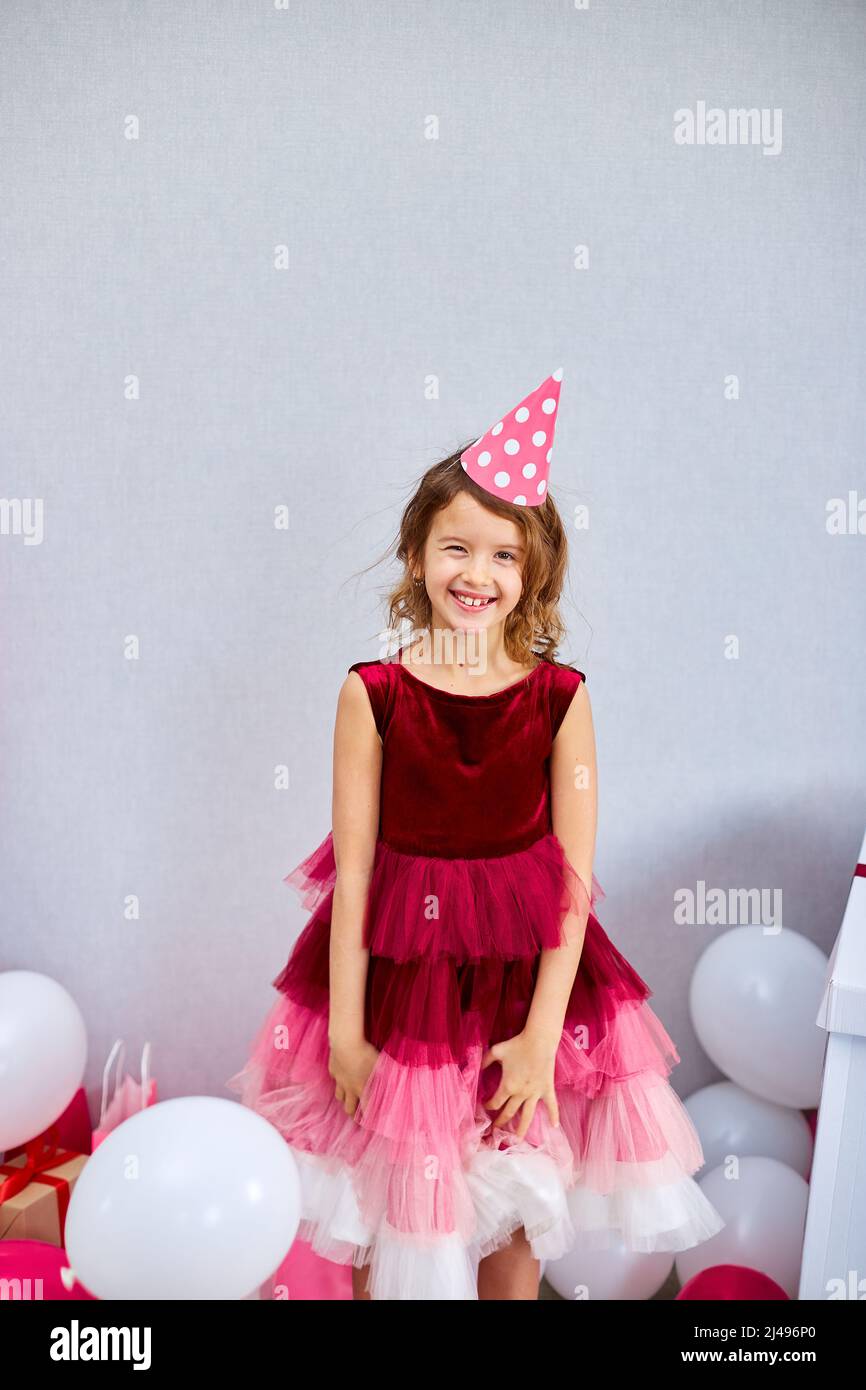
[470, 1078]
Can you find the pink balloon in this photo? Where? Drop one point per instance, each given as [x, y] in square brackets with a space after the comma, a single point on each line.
[35, 1261]
[731, 1282]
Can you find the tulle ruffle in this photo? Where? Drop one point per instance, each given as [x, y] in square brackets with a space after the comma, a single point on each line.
[421, 1184]
[419, 905]
[429, 1005]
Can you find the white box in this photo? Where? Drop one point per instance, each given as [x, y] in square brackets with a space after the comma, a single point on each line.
[834, 1249]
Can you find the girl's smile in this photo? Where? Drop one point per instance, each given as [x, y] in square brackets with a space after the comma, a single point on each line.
[471, 602]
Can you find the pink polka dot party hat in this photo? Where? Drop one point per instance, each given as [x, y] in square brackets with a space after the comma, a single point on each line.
[512, 460]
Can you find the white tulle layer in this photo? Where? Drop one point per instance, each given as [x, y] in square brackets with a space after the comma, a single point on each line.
[510, 1188]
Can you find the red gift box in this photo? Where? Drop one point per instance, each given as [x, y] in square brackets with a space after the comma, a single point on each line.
[35, 1189]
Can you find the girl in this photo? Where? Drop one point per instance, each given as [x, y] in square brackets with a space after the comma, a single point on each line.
[466, 1069]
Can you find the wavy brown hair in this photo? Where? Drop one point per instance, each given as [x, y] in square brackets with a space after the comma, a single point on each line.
[535, 626]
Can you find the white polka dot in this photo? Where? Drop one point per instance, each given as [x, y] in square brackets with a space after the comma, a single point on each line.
[529, 470]
[548, 405]
[497, 429]
[538, 438]
[549, 452]
[521, 500]
[484, 459]
[511, 446]
[521, 414]
[541, 486]
[502, 479]
[557, 375]
[464, 464]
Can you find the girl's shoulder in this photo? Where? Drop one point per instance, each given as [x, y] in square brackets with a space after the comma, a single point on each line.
[561, 666]
[564, 681]
[563, 673]
[377, 675]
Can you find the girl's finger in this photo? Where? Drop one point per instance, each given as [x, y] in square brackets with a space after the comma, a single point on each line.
[552, 1106]
[509, 1111]
[498, 1099]
[526, 1117]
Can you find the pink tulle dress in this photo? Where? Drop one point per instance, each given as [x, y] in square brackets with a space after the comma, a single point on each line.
[469, 884]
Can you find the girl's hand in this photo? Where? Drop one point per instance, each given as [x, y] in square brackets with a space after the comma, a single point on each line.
[350, 1065]
[527, 1077]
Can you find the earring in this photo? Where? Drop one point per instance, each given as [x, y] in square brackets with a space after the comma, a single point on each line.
[419, 581]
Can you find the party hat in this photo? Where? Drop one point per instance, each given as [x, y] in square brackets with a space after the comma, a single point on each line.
[512, 460]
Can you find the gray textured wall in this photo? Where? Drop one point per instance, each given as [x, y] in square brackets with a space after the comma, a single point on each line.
[168, 383]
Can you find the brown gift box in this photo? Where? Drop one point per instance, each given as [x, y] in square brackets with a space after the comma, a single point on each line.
[38, 1210]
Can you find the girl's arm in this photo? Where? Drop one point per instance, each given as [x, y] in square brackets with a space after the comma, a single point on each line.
[574, 798]
[355, 825]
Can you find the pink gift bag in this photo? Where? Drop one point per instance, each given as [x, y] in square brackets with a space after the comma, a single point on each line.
[129, 1096]
[305, 1277]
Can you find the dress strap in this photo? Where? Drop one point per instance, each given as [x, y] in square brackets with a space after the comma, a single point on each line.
[377, 678]
[564, 685]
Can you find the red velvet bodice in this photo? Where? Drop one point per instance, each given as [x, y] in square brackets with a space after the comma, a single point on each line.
[465, 776]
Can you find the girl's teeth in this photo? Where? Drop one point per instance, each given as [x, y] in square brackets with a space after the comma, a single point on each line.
[472, 602]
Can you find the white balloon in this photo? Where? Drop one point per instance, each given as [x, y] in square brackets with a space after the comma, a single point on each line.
[616, 1273]
[764, 1209]
[753, 999]
[43, 1053]
[731, 1120]
[192, 1198]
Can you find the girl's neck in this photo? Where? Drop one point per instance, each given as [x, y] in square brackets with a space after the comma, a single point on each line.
[456, 653]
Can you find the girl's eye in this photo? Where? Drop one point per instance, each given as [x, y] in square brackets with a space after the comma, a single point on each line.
[455, 546]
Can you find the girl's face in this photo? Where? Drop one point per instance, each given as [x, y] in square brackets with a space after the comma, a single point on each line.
[472, 553]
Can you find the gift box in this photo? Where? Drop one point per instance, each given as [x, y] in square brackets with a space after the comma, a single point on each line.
[35, 1188]
[834, 1247]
